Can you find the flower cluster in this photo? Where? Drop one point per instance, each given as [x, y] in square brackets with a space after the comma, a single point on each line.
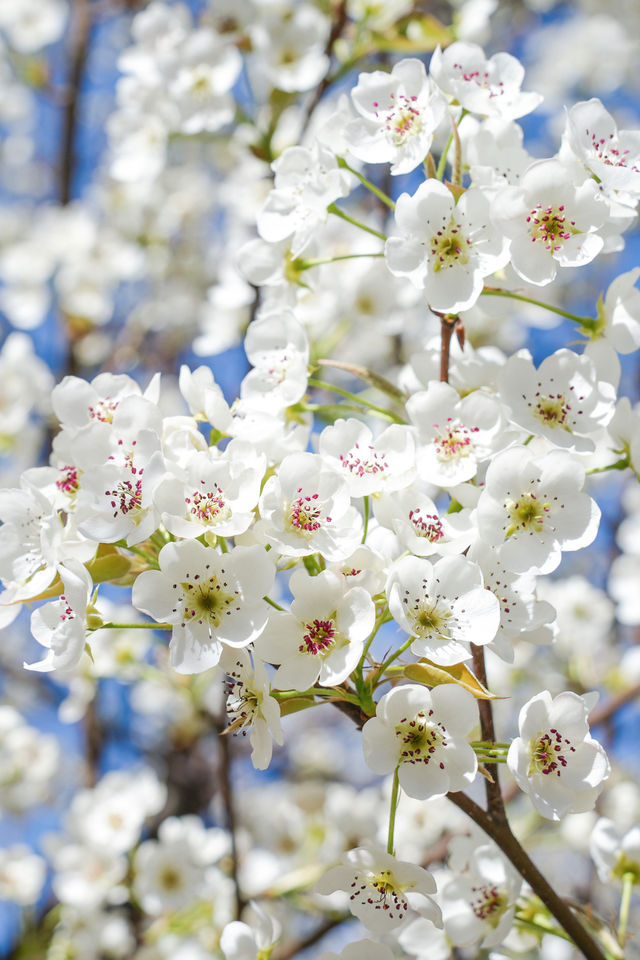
[310, 542]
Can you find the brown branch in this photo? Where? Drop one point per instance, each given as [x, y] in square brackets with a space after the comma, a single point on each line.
[312, 938]
[495, 802]
[447, 326]
[337, 26]
[605, 711]
[79, 36]
[226, 791]
[512, 849]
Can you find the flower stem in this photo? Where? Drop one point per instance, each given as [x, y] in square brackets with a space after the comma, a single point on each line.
[618, 465]
[394, 656]
[392, 811]
[586, 322]
[338, 410]
[332, 208]
[625, 901]
[272, 603]
[442, 163]
[323, 385]
[539, 928]
[135, 626]
[366, 519]
[367, 183]
[307, 264]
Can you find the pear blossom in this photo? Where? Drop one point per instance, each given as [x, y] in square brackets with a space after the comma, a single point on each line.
[251, 938]
[493, 151]
[323, 636]
[613, 852]
[443, 247]
[397, 114]
[533, 508]
[551, 220]
[29, 762]
[609, 154]
[84, 876]
[211, 599]
[77, 403]
[200, 88]
[490, 87]
[478, 902]
[454, 435]
[420, 526]
[368, 465]
[115, 499]
[381, 888]
[555, 760]
[60, 626]
[563, 400]
[522, 615]
[307, 181]
[34, 539]
[176, 869]
[214, 495]
[110, 816]
[33, 24]
[249, 705]
[289, 53]
[204, 397]
[423, 733]
[619, 313]
[22, 874]
[444, 606]
[278, 348]
[305, 508]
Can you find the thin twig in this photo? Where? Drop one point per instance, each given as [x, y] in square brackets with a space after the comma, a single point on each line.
[337, 26]
[79, 37]
[447, 326]
[604, 711]
[225, 786]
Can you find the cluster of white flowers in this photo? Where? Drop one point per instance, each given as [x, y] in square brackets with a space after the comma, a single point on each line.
[307, 543]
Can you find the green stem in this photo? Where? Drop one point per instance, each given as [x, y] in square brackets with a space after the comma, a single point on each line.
[338, 410]
[489, 743]
[135, 626]
[307, 264]
[272, 603]
[542, 928]
[492, 758]
[367, 183]
[147, 557]
[332, 208]
[384, 618]
[442, 163]
[392, 811]
[366, 519]
[618, 465]
[334, 692]
[323, 385]
[625, 902]
[222, 543]
[496, 292]
[394, 656]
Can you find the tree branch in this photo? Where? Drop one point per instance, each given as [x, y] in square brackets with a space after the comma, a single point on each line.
[495, 802]
[512, 849]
